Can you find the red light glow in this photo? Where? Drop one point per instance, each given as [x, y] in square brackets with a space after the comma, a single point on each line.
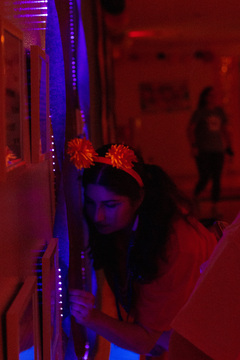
[141, 33]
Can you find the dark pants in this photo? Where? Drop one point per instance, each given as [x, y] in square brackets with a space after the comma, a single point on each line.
[210, 167]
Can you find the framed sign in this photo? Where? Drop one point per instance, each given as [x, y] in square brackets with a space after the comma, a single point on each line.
[12, 122]
[164, 96]
[40, 115]
[23, 325]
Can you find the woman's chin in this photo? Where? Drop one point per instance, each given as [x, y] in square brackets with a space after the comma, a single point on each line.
[104, 229]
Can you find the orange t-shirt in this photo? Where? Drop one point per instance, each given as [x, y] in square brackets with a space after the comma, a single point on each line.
[210, 318]
[189, 246]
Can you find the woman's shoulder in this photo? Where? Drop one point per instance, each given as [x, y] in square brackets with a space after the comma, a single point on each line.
[187, 232]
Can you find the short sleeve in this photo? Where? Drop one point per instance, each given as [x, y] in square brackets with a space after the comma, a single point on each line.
[160, 301]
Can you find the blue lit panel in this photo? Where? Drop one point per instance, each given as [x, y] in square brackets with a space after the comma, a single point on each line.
[27, 354]
[117, 353]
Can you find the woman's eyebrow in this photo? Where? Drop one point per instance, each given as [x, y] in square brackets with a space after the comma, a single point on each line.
[111, 201]
[104, 201]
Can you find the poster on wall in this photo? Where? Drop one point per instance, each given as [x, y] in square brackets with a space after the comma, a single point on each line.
[164, 96]
[12, 124]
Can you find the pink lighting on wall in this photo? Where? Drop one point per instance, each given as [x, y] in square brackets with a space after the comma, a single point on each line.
[31, 13]
[31, 2]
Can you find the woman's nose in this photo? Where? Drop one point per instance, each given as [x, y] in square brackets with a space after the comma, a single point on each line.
[99, 214]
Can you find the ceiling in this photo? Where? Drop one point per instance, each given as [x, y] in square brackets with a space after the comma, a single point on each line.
[182, 20]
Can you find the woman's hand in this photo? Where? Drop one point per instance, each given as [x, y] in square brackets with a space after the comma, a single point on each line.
[81, 305]
[127, 335]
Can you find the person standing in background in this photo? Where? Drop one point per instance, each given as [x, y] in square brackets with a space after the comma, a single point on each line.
[210, 141]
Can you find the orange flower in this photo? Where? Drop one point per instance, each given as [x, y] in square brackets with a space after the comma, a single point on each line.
[81, 153]
[121, 156]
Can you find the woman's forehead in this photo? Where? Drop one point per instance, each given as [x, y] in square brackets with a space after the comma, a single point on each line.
[101, 193]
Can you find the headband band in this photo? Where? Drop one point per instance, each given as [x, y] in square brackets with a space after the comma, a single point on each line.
[83, 155]
[131, 172]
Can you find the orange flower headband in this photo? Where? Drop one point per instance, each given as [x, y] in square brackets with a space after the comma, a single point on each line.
[83, 155]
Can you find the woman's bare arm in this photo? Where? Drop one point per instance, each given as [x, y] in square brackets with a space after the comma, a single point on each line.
[130, 336]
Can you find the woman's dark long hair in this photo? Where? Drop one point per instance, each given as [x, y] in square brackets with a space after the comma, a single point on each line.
[162, 204]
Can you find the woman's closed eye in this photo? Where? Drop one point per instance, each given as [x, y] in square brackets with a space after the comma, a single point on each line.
[111, 204]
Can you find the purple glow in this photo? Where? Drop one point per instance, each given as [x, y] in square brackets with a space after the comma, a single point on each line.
[27, 12]
[32, 15]
[60, 293]
[31, 2]
[31, 9]
[85, 357]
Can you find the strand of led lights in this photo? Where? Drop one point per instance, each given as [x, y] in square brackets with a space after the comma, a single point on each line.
[74, 84]
[72, 43]
[60, 292]
[83, 274]
[59, 275]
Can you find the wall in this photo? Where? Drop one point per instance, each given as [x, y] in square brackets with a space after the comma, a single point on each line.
[26, 223]
[26, 193]
[26, 218]
[161, 135]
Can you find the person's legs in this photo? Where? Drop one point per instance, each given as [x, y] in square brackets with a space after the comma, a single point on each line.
[204, 172]
[217, 160]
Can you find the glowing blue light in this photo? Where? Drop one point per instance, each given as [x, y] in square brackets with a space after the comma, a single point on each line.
[27, 354]
[117, 353]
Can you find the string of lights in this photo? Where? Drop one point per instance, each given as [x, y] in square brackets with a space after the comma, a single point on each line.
[81, 127]
[72, 42]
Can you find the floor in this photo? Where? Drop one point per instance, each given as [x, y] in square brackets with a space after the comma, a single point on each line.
[227, 209]
[229, 204]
